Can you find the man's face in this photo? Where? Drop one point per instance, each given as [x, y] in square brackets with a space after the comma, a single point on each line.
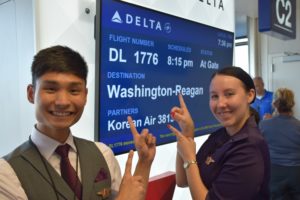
[259, 87]
[59, 100]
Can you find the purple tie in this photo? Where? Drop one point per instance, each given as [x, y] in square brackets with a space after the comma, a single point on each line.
[67, 171]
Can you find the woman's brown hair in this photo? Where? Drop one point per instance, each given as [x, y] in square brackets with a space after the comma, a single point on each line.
[283, 100]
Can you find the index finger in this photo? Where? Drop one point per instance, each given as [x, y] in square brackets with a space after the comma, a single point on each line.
[132, 126]
[181, 101]
[128, 164]
[175, 131]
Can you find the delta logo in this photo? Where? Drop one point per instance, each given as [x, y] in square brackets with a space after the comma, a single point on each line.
[141, 22]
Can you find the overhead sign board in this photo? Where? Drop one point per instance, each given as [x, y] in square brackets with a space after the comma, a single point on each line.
[278, 18]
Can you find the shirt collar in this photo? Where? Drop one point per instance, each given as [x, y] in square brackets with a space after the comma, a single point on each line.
[47, 145]
[243, 133]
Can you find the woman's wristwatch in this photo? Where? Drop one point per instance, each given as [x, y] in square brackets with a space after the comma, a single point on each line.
[187, 164]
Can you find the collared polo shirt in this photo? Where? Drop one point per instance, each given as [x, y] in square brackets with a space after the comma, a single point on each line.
[263, 105]
[236, 167]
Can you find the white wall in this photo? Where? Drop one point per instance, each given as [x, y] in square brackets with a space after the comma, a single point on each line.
[16, 51]
[65, 22]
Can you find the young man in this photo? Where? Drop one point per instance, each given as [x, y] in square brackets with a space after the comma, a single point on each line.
[53, 164]
[263, 100]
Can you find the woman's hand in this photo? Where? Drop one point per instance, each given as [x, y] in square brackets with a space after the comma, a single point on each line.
[182, 116]
[186, 146]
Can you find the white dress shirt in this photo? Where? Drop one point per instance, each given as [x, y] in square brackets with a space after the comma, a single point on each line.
[10, 186]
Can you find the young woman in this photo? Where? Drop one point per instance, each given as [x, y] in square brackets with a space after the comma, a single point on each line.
[234, 161]
[282, 133]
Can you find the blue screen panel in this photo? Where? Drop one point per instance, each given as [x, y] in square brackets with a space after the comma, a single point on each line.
[144, 59]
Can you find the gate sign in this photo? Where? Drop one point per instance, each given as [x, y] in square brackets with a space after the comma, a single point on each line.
[278, 18]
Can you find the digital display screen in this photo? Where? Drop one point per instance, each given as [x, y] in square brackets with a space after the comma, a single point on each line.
[144, 59]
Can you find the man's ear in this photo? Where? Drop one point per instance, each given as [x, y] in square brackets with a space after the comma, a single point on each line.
[30, 93]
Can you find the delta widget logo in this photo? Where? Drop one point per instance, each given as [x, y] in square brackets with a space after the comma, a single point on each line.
[135, 20]
[116, 18]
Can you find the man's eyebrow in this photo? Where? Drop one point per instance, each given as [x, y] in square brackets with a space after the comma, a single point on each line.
[76, 84]
[49, 82]
[56, 83]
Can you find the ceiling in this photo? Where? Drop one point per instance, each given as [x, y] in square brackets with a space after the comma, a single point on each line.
[244, 8]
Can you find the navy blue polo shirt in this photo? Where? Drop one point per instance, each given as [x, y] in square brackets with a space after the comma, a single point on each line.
[235, 167]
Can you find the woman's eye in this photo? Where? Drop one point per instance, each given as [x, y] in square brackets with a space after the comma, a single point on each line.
[229, 94]
[213, 97]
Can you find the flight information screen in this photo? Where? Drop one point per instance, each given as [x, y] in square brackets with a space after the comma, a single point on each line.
[144, 59]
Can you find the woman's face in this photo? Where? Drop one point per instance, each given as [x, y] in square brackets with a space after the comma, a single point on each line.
[229, 102]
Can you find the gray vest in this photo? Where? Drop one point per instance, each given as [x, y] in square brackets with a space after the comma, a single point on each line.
[37, 184]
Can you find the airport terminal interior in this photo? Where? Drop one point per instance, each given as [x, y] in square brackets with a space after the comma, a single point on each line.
[141, 55]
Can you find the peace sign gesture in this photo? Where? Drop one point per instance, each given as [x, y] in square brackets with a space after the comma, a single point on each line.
[186, 146]
[132, 186]
[182, 116]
